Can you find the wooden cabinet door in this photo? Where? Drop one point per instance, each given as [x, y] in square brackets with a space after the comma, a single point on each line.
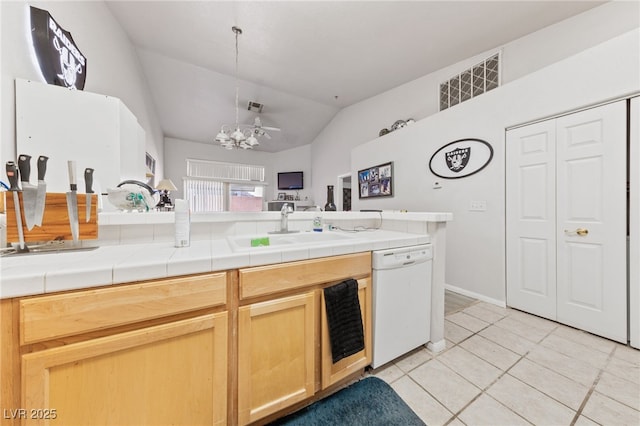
[332, 373]
[276, 355]
[173, 373]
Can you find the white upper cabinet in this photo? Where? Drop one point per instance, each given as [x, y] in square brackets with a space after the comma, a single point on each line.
[96, 131]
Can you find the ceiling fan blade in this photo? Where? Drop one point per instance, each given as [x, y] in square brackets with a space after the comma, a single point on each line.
[266, 135]
[275, 129]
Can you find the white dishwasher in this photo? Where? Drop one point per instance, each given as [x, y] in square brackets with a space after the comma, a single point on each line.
[401, 301]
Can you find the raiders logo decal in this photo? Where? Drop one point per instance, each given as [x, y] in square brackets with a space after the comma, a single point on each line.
[461, 158]
[60, 60]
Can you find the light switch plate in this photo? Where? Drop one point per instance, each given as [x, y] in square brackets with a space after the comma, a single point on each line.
[478, 206]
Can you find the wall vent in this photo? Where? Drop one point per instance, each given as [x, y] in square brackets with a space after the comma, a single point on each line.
[255, 106]
[471, 82]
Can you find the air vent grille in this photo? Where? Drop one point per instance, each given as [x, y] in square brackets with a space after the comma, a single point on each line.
[471, 82]
[255, 106]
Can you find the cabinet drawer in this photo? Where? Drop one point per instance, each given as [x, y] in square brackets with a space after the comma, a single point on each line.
[49, 317]
[263, 280]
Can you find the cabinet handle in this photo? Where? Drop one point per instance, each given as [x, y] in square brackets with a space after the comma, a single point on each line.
[580, 231]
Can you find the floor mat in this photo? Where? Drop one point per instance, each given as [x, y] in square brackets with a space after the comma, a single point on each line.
[369, 402]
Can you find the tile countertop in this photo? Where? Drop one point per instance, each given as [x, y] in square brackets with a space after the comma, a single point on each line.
[134, 218]
[31, 274]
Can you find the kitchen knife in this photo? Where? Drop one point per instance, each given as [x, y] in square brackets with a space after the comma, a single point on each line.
[72, 202]
[12, 175]
[88, 183]
[29, 192]
[41, 198]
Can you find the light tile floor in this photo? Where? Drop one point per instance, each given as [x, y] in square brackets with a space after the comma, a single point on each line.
[505, 367]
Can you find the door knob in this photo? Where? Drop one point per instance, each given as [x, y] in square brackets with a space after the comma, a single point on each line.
[580, 231]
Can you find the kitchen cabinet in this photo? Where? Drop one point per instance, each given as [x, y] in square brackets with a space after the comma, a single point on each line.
[283, 341]
[102, 131]
[333, 373]
[276, 355]
[166, 374]
[232, 347]
[143, 353]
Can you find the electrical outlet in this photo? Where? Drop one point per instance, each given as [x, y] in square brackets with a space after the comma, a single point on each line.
[477, 206]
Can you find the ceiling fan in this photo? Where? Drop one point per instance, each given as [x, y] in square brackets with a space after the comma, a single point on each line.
[259, 130]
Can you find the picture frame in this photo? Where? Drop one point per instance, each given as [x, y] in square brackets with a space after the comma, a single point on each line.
[281, 196]
[376, 181]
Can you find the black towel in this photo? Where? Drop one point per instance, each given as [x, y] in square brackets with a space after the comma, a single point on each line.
[344, 318]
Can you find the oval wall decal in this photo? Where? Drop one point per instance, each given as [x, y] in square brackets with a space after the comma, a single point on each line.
[461, 158]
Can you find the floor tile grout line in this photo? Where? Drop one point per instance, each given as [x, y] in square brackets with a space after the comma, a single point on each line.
[592, 389]
[534, 344]
[482, 390]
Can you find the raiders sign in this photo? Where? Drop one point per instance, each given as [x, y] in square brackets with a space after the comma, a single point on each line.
[60, 60]
[461, 158]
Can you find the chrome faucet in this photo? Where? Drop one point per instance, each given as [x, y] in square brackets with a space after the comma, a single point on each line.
[284, 217]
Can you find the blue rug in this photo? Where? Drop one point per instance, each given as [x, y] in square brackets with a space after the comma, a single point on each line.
[369, 402]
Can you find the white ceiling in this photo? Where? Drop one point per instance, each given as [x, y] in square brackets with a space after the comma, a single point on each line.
[305, 60]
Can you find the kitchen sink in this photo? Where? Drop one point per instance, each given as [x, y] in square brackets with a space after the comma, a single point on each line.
[247, 242]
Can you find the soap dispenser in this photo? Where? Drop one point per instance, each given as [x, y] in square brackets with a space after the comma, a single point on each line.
[182, 223]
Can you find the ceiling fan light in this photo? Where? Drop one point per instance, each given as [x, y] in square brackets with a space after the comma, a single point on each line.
[238, 136]
[222, 137]
[245, 139]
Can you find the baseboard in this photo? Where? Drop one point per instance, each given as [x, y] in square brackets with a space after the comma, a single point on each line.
[436, 347]
[478, 296]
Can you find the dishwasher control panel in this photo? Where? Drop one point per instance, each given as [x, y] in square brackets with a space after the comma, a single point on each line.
[402, 256]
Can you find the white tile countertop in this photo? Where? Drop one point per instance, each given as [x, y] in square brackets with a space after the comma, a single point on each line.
[135, 218]
[31, 274]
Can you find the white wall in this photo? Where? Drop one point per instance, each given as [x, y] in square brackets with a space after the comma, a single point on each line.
[418, 99]
[475, 240]
[112, 65]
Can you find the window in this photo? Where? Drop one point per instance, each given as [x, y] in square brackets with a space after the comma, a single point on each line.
[212, 186]
[245, 198]
[470, 83]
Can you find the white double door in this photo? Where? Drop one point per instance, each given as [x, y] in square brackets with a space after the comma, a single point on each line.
[567, 219]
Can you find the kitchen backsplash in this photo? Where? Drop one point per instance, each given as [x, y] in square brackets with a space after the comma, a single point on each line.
[158, 227]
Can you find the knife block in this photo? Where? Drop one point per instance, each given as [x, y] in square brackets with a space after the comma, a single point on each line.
[55, 222]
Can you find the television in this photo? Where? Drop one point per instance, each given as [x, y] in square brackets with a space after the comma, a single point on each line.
[290, 180]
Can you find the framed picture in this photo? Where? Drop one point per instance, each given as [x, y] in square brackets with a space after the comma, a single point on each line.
[281, 196]
[376, 181]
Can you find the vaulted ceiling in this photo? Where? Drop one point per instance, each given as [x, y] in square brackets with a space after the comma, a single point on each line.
[305, 60]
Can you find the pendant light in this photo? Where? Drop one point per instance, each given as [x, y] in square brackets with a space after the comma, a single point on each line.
[237, 138]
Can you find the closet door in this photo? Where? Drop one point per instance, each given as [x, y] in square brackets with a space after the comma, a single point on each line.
[634, 226]
[531, 219]
[592, 220]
